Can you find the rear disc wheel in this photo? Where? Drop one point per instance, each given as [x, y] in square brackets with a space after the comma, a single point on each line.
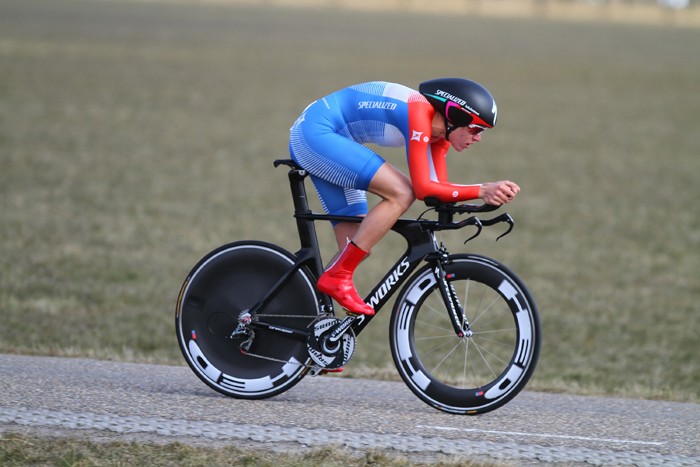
[218, 292]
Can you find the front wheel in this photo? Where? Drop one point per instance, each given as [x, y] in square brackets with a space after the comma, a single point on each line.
[483, 369]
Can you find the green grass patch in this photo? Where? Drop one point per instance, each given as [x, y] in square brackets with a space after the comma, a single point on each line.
[137, 136]
[22, 450]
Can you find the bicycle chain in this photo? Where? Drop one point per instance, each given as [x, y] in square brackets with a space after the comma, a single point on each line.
[279, 360]
[288, 316]
[272, 359]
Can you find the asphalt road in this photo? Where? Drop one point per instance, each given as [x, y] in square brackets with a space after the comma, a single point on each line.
[153, 403]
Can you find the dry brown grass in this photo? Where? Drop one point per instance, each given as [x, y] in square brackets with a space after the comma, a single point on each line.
[136, 136]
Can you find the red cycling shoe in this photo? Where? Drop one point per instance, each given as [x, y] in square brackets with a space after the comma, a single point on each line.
[337, 281]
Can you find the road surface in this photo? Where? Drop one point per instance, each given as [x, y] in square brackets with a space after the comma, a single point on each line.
[155, 403]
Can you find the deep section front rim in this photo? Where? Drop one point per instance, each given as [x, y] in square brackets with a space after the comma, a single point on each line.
[482, 370]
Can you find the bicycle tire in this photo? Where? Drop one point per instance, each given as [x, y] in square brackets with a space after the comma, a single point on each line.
[224, 284]
[473, 374]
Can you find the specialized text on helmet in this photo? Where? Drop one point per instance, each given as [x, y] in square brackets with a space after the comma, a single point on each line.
[456, 100]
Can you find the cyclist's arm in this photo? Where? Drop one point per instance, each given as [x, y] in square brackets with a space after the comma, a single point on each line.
[427, 182]
[438, 151]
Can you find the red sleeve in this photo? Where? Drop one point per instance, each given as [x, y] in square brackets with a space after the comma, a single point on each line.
[439, 152]
[420, 118]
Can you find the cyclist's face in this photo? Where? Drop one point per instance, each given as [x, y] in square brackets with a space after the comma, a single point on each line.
[463, 137]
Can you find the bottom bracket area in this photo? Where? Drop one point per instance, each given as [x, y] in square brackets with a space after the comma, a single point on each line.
[326, 353]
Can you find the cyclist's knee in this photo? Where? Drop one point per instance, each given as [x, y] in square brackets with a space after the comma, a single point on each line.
[406, 196]
[394, 187]
[402, 195]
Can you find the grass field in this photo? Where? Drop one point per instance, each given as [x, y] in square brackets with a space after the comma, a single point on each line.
[137, 136]
[20, 451]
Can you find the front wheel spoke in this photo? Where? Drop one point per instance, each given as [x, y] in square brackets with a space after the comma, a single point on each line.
[483, 352]
[473, 364]
[486, 362]
[447, 355]
[480, 314]
[435, 348]
[465, 302]
[441, 311]
[466, 365]
[431, 324]
[438, 309]
[436, 336]
[495, 331]
[481, 341]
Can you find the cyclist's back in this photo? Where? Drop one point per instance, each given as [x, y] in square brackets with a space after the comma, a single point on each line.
[375, 112]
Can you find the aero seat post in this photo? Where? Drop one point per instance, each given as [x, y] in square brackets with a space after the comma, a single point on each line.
[305, 227]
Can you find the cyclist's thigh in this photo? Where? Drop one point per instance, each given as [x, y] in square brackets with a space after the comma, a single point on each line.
[332, 157]
[390, 183]
[340, 201]
[340, 168]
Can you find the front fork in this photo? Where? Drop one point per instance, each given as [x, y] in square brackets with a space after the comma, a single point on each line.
[458, 317]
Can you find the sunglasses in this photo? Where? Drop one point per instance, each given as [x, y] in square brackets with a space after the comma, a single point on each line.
[475, 129]
[460, 117]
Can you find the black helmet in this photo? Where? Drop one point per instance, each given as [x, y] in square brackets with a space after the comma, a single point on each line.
[461, 102]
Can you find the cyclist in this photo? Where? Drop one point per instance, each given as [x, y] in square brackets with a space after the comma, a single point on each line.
[328, 140]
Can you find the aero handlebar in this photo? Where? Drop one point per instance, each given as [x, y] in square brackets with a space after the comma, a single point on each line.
[446, 211]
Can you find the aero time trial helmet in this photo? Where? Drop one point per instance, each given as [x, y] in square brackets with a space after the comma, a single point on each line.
[461, 102]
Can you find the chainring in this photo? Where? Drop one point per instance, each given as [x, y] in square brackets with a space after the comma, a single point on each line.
[326, 354]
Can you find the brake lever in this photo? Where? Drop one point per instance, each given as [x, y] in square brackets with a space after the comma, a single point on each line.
[479, 226]
[505, 217]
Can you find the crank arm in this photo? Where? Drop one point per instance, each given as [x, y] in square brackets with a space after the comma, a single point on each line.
[341, 328]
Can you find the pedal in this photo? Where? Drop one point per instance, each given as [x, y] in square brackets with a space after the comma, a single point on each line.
[355, 315]
[318, 371]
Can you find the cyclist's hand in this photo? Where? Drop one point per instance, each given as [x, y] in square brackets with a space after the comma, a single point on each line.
[498, 193]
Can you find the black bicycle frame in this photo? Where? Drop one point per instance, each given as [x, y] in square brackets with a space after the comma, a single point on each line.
[421, 243]
[417, 233]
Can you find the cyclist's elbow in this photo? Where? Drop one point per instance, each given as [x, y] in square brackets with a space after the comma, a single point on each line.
[417, 187]
[420, 192]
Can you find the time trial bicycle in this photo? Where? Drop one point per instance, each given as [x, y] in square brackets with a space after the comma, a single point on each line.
[464, 332]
